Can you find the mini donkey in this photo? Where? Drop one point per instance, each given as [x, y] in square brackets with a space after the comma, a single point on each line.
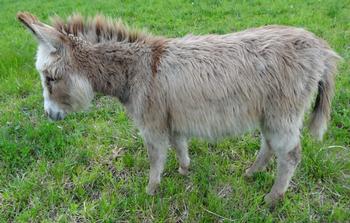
[197, 86]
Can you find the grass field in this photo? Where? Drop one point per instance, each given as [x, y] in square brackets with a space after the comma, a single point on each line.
[93, 167]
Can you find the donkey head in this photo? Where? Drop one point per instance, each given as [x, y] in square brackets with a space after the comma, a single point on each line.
[65, 89]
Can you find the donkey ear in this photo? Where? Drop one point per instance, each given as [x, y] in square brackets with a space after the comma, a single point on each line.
[44, 33]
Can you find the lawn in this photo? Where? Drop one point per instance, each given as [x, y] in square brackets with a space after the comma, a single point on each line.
[93, 167]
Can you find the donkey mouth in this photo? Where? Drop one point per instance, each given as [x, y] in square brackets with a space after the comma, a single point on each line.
[55, 116]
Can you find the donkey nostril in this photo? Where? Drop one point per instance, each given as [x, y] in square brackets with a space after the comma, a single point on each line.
[51, 115]
[59, 116]
[54, 115]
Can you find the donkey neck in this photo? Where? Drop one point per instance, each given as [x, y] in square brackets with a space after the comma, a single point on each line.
[111, 66]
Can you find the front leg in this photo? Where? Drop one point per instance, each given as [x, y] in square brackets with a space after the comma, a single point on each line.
[181, 148]
[157, 147]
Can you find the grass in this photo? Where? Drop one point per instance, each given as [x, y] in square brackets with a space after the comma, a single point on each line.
[68, 171]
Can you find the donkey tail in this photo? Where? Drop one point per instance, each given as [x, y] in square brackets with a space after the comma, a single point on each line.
[322, 108]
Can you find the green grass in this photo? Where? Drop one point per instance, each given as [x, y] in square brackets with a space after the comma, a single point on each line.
[65, 171]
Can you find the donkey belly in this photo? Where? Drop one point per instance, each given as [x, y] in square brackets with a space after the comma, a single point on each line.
[214, 121]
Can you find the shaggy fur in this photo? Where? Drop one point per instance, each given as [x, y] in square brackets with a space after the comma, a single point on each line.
[196, 86]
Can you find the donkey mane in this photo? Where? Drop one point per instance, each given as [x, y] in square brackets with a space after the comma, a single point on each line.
[98, 29]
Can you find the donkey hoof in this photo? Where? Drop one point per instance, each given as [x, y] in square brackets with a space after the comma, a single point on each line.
[272, 198]
[248, 173]
[183, 171]
[152, 189]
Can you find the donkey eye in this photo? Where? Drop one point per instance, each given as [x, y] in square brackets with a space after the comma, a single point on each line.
[51, 79]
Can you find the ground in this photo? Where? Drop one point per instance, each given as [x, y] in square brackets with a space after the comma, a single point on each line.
[92, 166]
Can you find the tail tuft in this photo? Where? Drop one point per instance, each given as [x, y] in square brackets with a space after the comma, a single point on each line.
[321, 112]
[322, 108]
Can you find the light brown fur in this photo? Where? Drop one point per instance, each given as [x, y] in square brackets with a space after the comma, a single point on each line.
[197, 86]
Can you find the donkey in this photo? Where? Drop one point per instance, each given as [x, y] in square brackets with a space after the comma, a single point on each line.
[208, 86]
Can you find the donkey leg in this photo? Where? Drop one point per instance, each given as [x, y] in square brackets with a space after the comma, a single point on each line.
[263, 158]
[288, 151]
[181, 148]
[157, 150]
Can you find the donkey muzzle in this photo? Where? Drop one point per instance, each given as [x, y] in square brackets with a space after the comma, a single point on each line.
[55, 116]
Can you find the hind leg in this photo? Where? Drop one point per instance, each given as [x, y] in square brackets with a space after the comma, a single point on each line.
[263, 158]
[181, 148]
[286, 147]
